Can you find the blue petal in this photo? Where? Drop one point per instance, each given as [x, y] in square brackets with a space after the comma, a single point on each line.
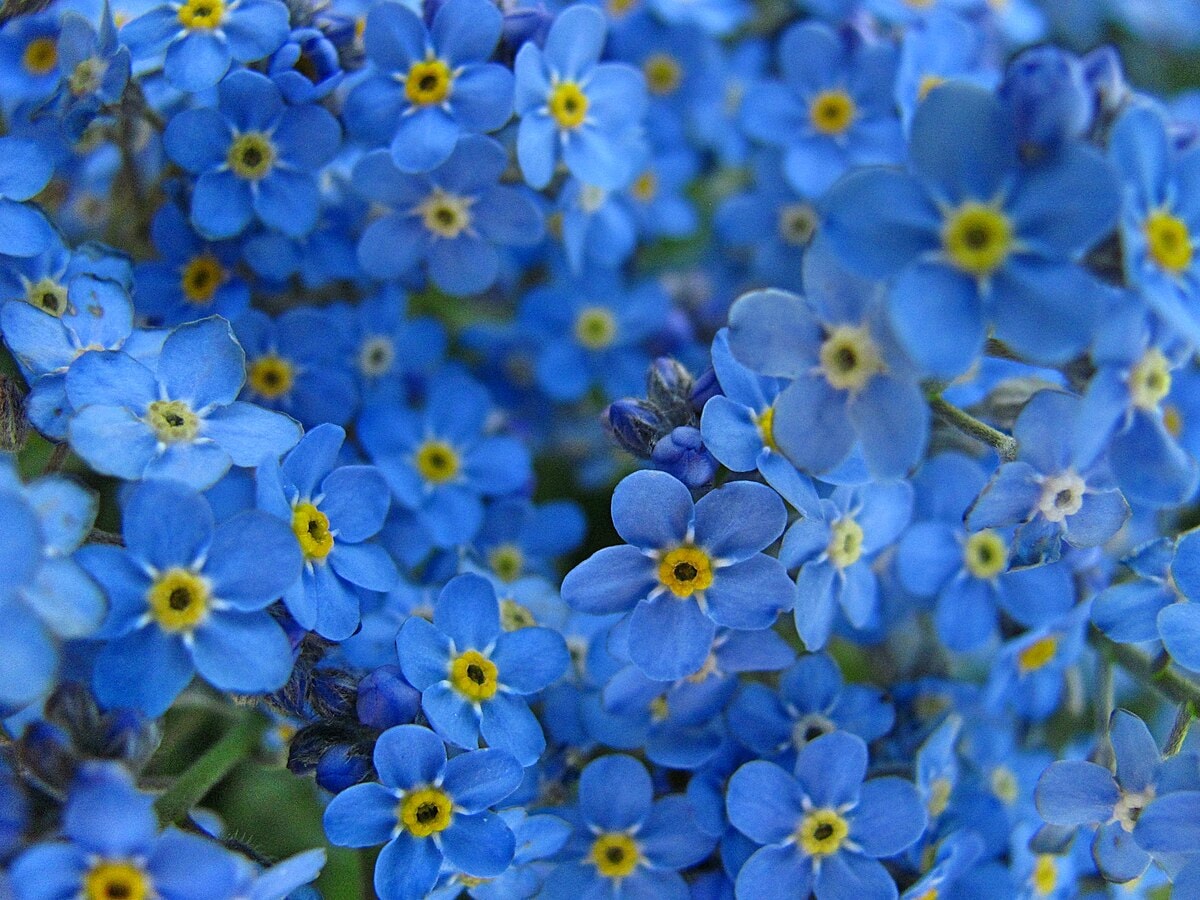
[973, 165]
[507, 724]
[774, 333]
[147, 670]
[879, 221]
[889, 817]
[1117, 855]
[830, 768]
[366, 565]
[468, 613]
[611, 580]
[1179, 625]
[26, 231]
[424, 140]
[481, 778]
[255, 29]
[811, 425]
[188, 539]
[407, 756]
[669, 638]
[1170, 824]
[481, 845]
[776, 871]
[249, 433]
[407, 866]
[1128, 612]
[750, 594]
[221, 205]
[936, 313]
[739, 520]
[197, 61]
[1138, 759]
[288, 202]
[1074, 792]
[530, 659]
[891, 419]
[451, 715]
[615, 793]
[1010, 497]
[652, 510]
[246, 653]
[764, 802]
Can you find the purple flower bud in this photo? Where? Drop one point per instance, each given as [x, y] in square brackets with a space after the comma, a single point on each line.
[682, 453]
[386, 699]
[341, 767]
[635, 425]
[1046, 96]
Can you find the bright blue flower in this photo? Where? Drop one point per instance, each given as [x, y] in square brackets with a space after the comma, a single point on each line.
[254, 157]
[537, 837]
[1052, 492]
[453, 218]
[737, 423]
[41, 279]
[178, 420]
[943, 47]
[519, 538]
[1028, 673]
[1046, 94]
[834, 109]
[113, 846]
[473, 676]
[29, 67]
[717, 17]
[716, 111]
[306, 67]
[440, 462]
[191, 278]
[44, 595]
[834, 543]
[955, 855]
[688, 567]
[812, 700]
[392, 353]
[97, 315]
[296, 364]
[189, 595]
[1160, 216]
[993, 242]
[592, 331]
[430, 86]
[333, 512]
[95, 69]
[1077, 792]
[202, 37]
[823, 829]
[25, 168]
[968, 572]
[626, 844]
[597, 228]
[937, 767]
[574, 108]
[846, 372]
[427, 810]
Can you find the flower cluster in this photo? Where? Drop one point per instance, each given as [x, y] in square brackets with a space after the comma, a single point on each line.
[642, 449]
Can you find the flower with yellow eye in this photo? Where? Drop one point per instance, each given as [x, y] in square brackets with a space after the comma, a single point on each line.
[190, 598]
[473, 676]
[430, 85]
[824, 829]
[426, 810]
[686, 569]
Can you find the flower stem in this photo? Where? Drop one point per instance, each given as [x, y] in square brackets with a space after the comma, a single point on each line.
[237, 744]
[1164, 678]
[1183, 721]
[1004, 444]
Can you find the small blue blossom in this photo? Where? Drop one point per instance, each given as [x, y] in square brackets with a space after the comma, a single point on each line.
[25, 168]
[95, 69]
[306, 67]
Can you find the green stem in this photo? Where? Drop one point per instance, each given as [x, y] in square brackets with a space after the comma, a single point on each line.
[1164, 678]
[237, 744]
[1105, 701]
[1004, 444]
[1183, 721]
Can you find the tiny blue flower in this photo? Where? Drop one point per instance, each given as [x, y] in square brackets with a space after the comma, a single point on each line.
[25, 168]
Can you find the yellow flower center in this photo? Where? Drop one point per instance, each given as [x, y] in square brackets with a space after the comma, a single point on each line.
[201, 14]
[425, 811]
[311, 527]
[1004, 784]
[446, 215]
[595, 327]
[41, 56]
[620, 8]
[514, 616]
[47, 295]
[1168, 241]
[663, 73]
[428, 82]
[928, 83]
[88, 75]
[200, 279]
[685, 571]
[660, 709]
[376, 356]
[116, 880]
[568, 105]
[797, 224]
[178, 600]
[615, 854]
[765, 421]
[845, 542]
[1045, 874]
[507, 562]
[939, 797]
[251, 155]
[437, 461]
[271, 376]
[850, 358]
[474, 676]
[1172, 420]
[985, 554]
[173, 421]
[822, 832]
[1150, 380]
[977, 238]
[1037, 655]
[645, 187]
[832, 112]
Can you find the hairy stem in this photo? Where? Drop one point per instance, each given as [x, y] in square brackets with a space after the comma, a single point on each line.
[237, 744]
[1004, 444]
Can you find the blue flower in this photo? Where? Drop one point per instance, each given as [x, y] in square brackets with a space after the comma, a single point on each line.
[688, 568]
[254, 156]
[834, 542]
[846, 373]
[306, 67]
[192, 277]
[823, 829]
[95, 69]
[427, 810]
[993, 242]
[574, 108]
[188, 597]
[453, 218]
[440, 462]
[179, 420]
[944, 47]
[1077, 792]
[430, 86]
[25, 168]
[29, 58]
[392, 353]
[113, 848]
[625, 843]
[473, 676]
[537, 838]
[44, 595]
[1052, 492]
[1028, 673]
[202, 37]
[835, 108]
[519, 538]
[333, 512]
